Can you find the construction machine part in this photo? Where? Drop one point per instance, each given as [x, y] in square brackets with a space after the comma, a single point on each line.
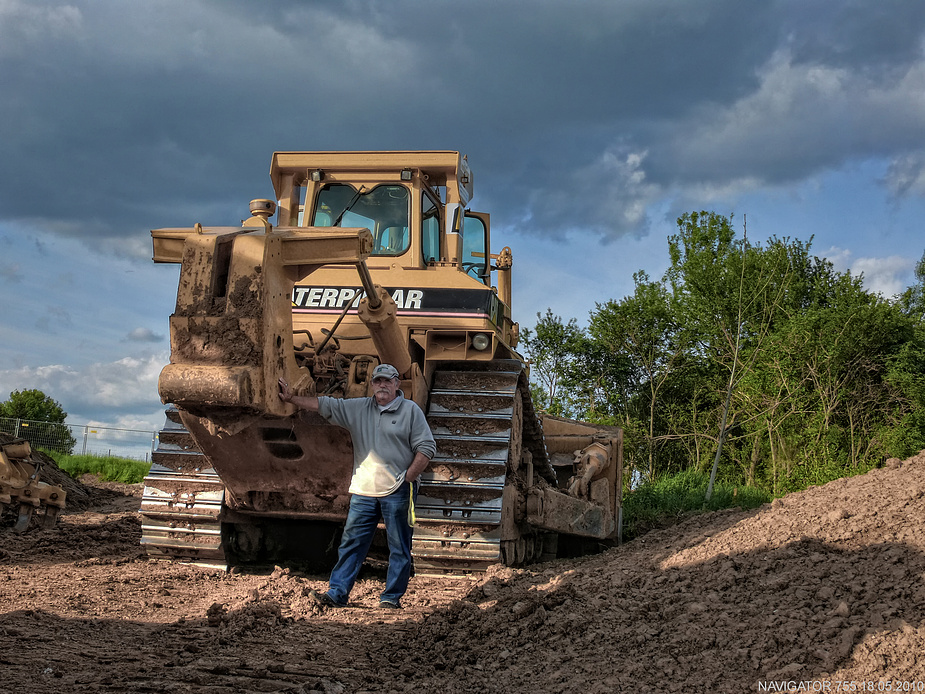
[490, 494]
[25, 515]
[20, 485]
[241, 476]
[182, 500]
[460, 499]
[185, 518]
[481, 425]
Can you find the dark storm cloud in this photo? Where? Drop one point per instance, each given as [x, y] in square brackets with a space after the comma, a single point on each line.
[859, 35]
[576, 116]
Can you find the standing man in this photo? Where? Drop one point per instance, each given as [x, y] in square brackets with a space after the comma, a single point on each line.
[392, 444]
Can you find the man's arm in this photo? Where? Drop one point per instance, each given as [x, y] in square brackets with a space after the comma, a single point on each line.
[418, 465]
[422, 442]
[306, 402]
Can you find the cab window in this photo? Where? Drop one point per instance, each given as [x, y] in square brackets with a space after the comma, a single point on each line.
[384, 210]
[430, 236]
[474, 250]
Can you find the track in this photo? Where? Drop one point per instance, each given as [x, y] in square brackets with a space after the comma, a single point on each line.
[182, 500]
[483, 421]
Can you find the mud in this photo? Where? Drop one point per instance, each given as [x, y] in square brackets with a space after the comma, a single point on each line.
[820, 588]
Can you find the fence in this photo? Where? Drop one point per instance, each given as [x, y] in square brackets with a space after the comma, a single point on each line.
[83, 439]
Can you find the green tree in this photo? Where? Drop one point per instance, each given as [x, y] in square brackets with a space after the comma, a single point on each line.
[550, 348]
[912, 300]
[848, 365]
[34, 406]
[596, 382]
[759, 358]
[907, 372]
[644, 329]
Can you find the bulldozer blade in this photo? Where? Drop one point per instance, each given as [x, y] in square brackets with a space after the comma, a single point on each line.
[25, 515]
[50, 517]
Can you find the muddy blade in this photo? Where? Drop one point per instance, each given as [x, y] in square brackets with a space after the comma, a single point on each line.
[277, 491]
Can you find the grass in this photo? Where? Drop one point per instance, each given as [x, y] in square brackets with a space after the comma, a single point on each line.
[668, 499]
[108, 469]
[805, 476]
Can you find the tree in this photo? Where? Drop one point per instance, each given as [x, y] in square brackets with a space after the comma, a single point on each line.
[849, 366]
[35, 406]
[818, 376]
[912, 300]
[550, 348]
[643, 329]
[596, 382]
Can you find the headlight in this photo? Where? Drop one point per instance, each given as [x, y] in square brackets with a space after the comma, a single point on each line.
[481, 341]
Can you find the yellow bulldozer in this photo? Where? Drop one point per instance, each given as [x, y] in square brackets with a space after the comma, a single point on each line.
[362, 258]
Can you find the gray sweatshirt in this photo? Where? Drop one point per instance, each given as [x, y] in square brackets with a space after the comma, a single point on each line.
[384, 442]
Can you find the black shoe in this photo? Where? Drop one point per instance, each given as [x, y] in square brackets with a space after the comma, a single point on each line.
[389, 605]
[323, 599]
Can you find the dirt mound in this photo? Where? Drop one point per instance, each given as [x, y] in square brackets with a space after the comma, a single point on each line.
[824, 586]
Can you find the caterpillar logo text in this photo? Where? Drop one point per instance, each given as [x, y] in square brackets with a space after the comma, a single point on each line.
[473, 303]
[338, 297]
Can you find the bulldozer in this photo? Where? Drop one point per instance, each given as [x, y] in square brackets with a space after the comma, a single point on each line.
[361, 258]
[21, 486]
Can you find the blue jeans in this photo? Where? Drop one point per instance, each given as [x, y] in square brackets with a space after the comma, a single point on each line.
[362, 519]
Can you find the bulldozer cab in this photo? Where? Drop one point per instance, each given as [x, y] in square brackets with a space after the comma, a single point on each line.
[413, 203]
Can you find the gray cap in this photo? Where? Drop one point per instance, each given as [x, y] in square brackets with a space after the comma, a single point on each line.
[385, 371]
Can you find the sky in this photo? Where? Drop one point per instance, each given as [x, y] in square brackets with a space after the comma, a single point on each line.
[590, 126]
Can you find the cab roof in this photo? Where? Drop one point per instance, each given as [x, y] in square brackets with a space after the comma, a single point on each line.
[443, 168]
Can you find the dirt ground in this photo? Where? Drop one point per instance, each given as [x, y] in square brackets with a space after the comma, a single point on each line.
[819, 591]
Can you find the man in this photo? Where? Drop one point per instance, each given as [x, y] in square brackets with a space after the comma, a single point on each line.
[392, 445]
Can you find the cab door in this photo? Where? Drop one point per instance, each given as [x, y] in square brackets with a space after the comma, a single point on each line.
[475, 257]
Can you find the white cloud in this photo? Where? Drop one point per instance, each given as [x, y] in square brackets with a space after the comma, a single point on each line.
[839, 257]
[887, 276]
[610, 196]
[99, 391]
[803, 118]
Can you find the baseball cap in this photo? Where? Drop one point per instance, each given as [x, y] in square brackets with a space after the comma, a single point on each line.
[385, 371]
